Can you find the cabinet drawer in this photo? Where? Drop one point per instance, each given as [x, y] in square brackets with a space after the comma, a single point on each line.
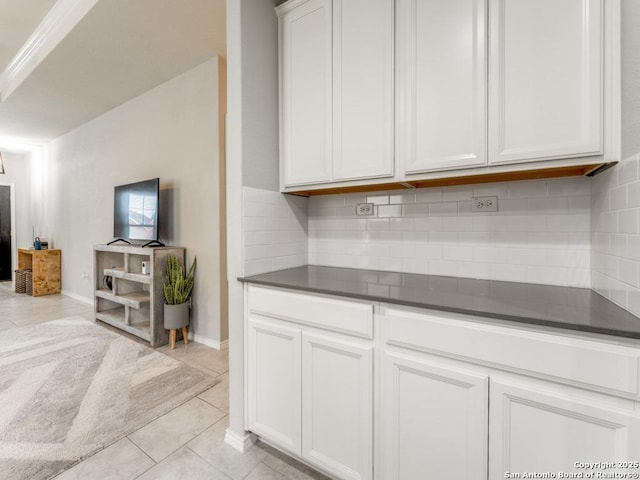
[594, 365]
[353, 318]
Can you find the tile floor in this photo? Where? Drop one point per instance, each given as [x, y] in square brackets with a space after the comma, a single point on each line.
[186, 443]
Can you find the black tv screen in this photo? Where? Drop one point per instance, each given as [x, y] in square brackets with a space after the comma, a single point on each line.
[135, 214]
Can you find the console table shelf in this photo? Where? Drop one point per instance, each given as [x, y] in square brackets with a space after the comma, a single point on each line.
[134, 303]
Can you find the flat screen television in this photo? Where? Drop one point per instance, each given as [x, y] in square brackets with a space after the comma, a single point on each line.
[135, 213]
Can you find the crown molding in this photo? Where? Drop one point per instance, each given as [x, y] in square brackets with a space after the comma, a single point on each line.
[61, 19]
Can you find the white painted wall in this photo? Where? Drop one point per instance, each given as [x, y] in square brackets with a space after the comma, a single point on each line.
[169, 132]
[252, 159]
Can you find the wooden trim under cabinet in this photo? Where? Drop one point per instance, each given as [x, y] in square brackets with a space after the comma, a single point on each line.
[533, 174]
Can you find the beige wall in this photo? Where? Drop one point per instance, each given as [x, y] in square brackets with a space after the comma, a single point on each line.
[171, 132]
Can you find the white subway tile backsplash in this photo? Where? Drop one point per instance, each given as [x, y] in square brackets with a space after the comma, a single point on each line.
[615, 249]
[548, 205]
[415, 236]
[276, 230]
[547, 275]
[389, 211]
[507, 206]
[428, 195]
[569, 187]
[628, 272]
[528, 189]
[402, 198]
[569, 223]
[443, 209]
[487, 223]
[528, 223]
[628, 170]
[418, 210]
[525, 256]
[618, 197]
[457, 224]
[572, 231]
[456, 194]
[428, 224]
[377, 224]
[628, 221]
[378, 199]
[402, 224]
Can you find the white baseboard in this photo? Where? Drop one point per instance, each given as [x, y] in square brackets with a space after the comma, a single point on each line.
[75, 296]
[239, 442]
[211, 343]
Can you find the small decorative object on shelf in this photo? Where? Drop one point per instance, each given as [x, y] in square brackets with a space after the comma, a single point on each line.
[178, 285]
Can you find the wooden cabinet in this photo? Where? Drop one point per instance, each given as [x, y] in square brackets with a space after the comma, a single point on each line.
[46, 266]
[310, 384]
[434, 419]
[546, 89]
[128, 298]
[442, 84]
[336, 76]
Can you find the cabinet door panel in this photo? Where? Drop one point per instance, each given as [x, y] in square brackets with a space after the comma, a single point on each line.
[559, 428]
[274, 357]
[305, 48]
[362, 88]
[337, 398]
[442, 84]
[434, 420]
[545, 79]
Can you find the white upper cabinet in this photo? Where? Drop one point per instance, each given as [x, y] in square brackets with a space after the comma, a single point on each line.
[546, 79]
[449, 88]
[441, 58]
[362, 89]
[336, 69]
[305, 92]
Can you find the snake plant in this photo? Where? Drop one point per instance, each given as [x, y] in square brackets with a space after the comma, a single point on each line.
[178, 284]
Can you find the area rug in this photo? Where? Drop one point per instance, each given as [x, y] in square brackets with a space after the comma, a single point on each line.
[69, 388]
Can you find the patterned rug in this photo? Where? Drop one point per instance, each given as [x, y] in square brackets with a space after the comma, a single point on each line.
[69, 388]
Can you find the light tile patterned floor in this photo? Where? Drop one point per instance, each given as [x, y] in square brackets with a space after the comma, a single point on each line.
[186, 443]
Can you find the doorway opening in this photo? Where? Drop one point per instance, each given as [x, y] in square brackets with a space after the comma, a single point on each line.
[6, 247]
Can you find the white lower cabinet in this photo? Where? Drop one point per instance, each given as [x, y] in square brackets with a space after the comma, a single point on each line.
[436, 395]
[310, 390]
[548, 429]
[337, 398]
[434, 420]
[274, 383]
[464, 398]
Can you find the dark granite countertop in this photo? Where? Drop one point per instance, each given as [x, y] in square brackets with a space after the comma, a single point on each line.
[571, 308]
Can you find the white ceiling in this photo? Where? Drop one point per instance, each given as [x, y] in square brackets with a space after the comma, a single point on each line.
[118, 50]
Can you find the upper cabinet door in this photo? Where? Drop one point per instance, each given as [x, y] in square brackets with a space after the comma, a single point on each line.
[545, 79]
[362, 88]
[305, 92]
[441, 51]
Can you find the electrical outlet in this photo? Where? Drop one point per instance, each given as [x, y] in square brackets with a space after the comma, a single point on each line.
[484, 204]
[85, 276]
[364, 209]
